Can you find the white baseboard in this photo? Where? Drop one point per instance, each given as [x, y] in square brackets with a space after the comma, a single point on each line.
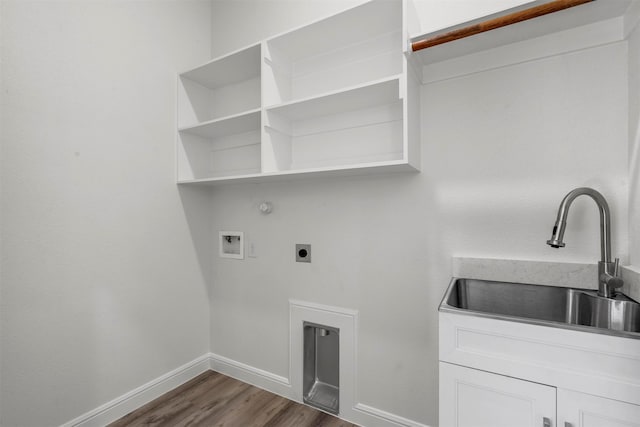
[121, 406]
[384, 418]
[263, 379]
[363, 415]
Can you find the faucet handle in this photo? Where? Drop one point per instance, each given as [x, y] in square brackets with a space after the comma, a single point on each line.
[609, 278]
[615, 281]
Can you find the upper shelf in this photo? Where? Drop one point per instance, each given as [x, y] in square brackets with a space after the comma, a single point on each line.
[432, 16]
[229, 69]
[588, 13]
[224, 87]
[350, 27]
[359, 45]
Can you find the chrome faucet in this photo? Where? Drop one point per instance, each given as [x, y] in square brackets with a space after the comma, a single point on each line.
[608, 272]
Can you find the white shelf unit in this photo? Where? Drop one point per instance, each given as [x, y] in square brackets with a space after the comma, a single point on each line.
[332, 97]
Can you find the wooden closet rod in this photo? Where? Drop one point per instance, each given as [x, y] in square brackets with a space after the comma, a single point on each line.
[501, 21]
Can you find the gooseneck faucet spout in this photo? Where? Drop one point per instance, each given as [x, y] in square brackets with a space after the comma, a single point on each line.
[608, 274]
[605, 221]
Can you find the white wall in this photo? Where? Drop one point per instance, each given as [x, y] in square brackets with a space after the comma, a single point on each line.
[634, 144]
[511, 142]
[500, 150]
[103, 289]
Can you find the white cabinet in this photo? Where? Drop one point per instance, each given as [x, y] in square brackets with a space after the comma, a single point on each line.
[584, 410]
[473, 398]
[338, 95]
[497, 372]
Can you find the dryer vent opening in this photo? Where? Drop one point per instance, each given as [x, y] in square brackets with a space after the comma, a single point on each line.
[321, 365]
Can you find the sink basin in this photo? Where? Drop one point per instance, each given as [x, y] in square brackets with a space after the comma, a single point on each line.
[548, 305]
[620, 314]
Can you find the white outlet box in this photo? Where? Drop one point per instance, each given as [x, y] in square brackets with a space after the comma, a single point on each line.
[231, 244]
[303, 252]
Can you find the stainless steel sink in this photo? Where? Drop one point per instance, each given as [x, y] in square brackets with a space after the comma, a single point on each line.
[547, 305]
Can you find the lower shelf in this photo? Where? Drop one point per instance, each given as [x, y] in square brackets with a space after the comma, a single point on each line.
[225, 147]
[399, 166]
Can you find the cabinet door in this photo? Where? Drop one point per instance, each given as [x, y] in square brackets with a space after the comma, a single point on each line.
[473, 398]
[584, 410]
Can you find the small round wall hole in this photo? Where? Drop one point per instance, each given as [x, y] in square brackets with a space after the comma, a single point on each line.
[303, 252]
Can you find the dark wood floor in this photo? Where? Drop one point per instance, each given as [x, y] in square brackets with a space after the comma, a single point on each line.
[215, 400]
